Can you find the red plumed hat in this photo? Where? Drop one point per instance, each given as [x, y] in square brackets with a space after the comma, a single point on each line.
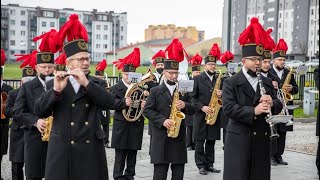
[130, 62]
[3, 57]
[226, 57]
[28, 59]
[158, 57]
[100, 67]
[280, 50]
[61, 62]
[176, 54]
[213, 55]
[195, 60]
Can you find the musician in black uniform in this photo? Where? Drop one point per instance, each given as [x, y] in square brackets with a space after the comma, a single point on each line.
[105, 113]
[247, 143]
[316, 79]
[16, 148]
[157, 61]
[126, 136]
[205, 135]
[278, 69]
[195, 62]
[74, 99]
[226, 58]
[167, 151]
[4, 124]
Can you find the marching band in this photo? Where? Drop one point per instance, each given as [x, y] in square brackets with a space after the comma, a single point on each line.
[78, 106]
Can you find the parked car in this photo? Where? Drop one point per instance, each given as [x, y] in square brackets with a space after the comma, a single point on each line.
[294, 63]
[313, 63]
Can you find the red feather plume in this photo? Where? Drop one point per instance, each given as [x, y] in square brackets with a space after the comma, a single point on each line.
[161, 54]
[101, 66]
[254, 33]
[215, 51]
[48, 42]
[281, 46]
[72, 30]
[133, 58]
[3, 57]
[28, 59]
[61, 59]
[226, 57]
[195, 60]
[270, 42]
[175, 51]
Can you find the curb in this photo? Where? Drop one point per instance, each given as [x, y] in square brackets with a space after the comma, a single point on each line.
[305, 120]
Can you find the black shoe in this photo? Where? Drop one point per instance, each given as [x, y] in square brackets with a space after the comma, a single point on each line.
[212, 169]
[190, 148]
[203, 171]
[273, 162]
[129, 178]
[280, 161]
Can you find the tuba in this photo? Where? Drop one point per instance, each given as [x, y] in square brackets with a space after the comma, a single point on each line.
[287, 95]
[215, 103]
[135, 93]
[47, 131]
[176, 116]
[4, 97]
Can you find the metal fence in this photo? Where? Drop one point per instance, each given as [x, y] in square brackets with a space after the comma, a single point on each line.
[302, 81]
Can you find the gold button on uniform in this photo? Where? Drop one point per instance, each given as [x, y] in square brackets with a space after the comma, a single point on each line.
[255, 117]
[254, 133]
[72, 104]
[72, 142]
[265, 133]
[72, 123]
[87, 105]
[86, 123]
[87, 141]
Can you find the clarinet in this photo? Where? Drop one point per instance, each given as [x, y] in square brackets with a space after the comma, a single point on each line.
[264, 92]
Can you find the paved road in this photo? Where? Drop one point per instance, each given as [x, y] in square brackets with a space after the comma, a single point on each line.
[301, 165]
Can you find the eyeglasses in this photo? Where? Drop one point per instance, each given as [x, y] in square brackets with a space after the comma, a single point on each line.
[45, 67]
[172, 73]
[254, 59]
[211, 64]
[81, 60]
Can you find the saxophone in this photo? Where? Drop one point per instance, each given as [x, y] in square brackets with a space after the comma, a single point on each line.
[176, 116]
[287, 95]
[46, 132]
[215, 103]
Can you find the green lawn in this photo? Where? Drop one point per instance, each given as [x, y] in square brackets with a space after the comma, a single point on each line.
[13, 71]
[298, 113]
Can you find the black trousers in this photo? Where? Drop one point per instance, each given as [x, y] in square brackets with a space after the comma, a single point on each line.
[31, 178]
[224, 132]
[189, 139]
[317, 158]
[161, 170]
[17, 170]
[106, 132]
[124, 157]
[278, 145]
[204, 153]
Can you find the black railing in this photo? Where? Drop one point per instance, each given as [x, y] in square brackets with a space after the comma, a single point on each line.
[302, 81]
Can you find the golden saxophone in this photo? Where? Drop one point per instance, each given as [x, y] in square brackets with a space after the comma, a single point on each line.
[135, 93]
[176, 116]
[215, 103]
[287, 95]
[46, 132]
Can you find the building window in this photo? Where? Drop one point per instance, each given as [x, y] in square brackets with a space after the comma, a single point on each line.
[270, 19]
[280, 15]
[23, 23]
[98, 36]
[280, 6]
[98, 27]
[279, 25]
[48, 14]
[105, 27]
[105, 37]
[312, 12]
[121, 28]
[23, 33]
[105, 46]
[22, 52]
[23, 13]
[51, 24]
[297, 27]
[44, 24]
[12, 22]
[12, 12]
[12, 42]
[12, 52]
[297, 16]
[98, 46]
[121, 38]
[298, 6]
[270, 9]
[12, 32]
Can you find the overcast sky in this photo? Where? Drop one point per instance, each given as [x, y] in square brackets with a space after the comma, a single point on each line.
[204, 14]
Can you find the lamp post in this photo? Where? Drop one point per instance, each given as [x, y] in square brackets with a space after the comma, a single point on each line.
[114, 44]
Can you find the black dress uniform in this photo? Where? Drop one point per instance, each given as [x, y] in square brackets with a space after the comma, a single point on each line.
[248, 136]
[126, 136]
[4, 124]
[166, 150]
[316, 78]
[104, 117]
[76, 149]
[278, 145]
[35, 149]
[204, 134]
[16, 149]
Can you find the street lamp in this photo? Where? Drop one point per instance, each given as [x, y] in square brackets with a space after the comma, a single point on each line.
[114, 44]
